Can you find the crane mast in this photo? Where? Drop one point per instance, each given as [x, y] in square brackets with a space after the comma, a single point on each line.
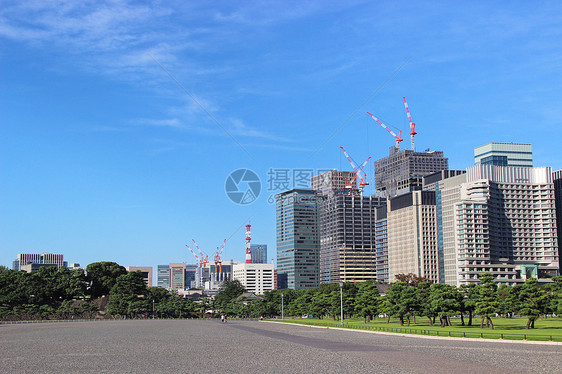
[196, 257]
[397, 137]
[362, 180]
[204, 258]
[218, 261]
[412, 124]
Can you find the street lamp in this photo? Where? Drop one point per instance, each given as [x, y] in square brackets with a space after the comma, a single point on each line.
[152, 308]
[341, 303]
[282, 311]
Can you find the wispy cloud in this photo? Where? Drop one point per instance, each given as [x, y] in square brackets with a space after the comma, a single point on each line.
[239, 128]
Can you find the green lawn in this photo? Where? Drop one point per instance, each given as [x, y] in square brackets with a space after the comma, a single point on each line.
[504, 328]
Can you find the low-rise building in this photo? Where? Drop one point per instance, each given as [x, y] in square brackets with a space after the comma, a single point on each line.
[256, 278]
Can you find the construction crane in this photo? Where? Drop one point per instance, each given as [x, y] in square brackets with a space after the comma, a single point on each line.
[204, 258]
[362, 181]
[196, 257]
[412, 124]
[398, 137]
[218, 261]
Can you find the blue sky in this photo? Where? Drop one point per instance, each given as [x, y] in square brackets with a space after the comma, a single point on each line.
[121, 121]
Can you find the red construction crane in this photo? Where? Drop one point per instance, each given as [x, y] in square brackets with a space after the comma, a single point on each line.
[398, 137]
[204, 258]
[218, 261]
[412, 124]
[196, 257]
[362, 181]
[248, 246]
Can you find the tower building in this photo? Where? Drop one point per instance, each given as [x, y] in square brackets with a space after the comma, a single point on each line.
[259, 253]
[402, 171]
[347, 238]
[498, 219]
[412, 239]
[297, 239]
[504, 154]
[557, 180]
[333, 181]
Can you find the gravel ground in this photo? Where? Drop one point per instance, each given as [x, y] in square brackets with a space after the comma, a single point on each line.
[192, 346]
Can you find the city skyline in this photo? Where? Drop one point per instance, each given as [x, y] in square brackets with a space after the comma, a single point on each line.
[123, 121]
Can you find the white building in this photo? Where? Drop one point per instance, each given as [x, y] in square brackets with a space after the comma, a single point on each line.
[256, 278]
[498, 219]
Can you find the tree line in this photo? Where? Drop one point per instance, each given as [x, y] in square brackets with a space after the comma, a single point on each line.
[105, 290]
[408, 298]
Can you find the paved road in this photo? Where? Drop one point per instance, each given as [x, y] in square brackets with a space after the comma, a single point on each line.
[192, 346]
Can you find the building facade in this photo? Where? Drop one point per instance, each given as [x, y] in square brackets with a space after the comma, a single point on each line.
[39, 258]
[259, 253]
[298, 239]
[163, 276]
[412, 236]
[557, 181]
[381, 243]
[146, 272]
[504, 154]
[347, 238]
[256, 278]
[403, 170]
[333, 181]
[505, 223]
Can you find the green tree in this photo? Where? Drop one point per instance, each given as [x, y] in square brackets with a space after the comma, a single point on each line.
[14, 288]
[102, 276]
[425, 309]
[554, 291]
[531, 301]
[445, 300]
[468, 292]
[403, 299]
[321, 304]
[487, 304]
[228, 293]
[125, 295]
[302, 304]
[367, 300]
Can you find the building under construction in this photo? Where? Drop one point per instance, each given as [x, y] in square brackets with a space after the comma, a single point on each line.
[332, 181]
[347, 238]
[347, 229]
[403, 170]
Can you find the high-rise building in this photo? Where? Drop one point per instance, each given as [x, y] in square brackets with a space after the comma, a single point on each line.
[412, 238]
[256, 278]
[298, 239]
[504, 154]
[333, 181]
[557, 179]
[447, 194]
[177, 276]
[259, 253]
[381, 243]
[36, 258]
[347, 238]
[163, 276]
[402, 171]
[146, 272]
[506, 224]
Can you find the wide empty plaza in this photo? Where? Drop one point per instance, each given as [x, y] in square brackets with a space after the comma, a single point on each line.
[207, 346]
